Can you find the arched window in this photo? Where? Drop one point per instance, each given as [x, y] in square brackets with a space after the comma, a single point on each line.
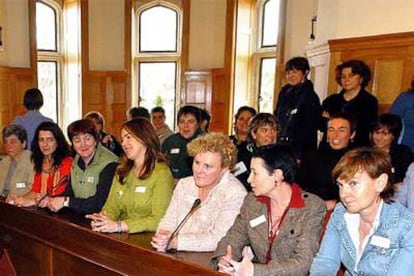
[158, 55]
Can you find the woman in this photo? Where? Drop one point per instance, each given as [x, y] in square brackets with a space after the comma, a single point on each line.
[52, 161]
[298, 108]
[220, 193]
[278, 221]
[142, 187]
[16, 169]
[263, 130]
[353, 76]
[384, 136]
[367, 233]
[315, 172]
[241, 125]
[92, 171]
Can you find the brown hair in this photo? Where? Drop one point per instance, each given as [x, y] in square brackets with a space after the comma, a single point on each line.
[370, 160]
[83, 126]
[142, 130]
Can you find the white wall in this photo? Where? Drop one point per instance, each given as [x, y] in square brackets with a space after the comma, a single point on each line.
[207, 34]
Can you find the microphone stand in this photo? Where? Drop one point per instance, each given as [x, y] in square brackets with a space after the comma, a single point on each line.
[196, 204]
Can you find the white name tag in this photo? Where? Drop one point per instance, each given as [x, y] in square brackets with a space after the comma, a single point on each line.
[20, 185]
[175, 151]
[257, 221]
[294, 111]
[140, 189]
[90, 179]
[239, 168]
[380, 241]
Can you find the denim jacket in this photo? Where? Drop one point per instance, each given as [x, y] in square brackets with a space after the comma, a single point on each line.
[389, 251]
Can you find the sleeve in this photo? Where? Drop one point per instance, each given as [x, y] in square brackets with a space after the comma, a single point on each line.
[94, 203]
[328, 259]
[37, 179]
[207, 240]
[112, 206]
[169, 221]
[237, 237]
[307, 245]
[405, 193]
[64, 176]
[398, 107]
[163, 188]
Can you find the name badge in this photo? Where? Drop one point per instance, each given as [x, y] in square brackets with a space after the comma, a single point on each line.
[294, 111]
[239, 168]
[257, 221]
[175, 151]
[380, 241]
[140, 189]
[20, 185]
[90, 179]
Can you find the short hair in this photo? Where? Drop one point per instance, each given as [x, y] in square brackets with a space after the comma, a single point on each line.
[347, 117]
[95, 116]
[17, 130]
[278, 156]
[243, 109]
[189, 109]
[140, 111]
[83, 126]
[262, 119]
[298, 63]
[370, 160]
[62, 151]
[33, 99]
[141, 129]
[158, 109]
[391, 122]
[204, 116]
[215, 143]
[358, 67]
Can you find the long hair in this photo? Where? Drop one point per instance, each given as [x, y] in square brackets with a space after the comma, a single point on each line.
[62, 149]
[142, 130]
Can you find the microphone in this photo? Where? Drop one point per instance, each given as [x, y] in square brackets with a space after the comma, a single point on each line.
[196, 204]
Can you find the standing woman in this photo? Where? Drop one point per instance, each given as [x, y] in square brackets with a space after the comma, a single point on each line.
[353, 76]
[142, 187]
[92, 171]
[52, 161]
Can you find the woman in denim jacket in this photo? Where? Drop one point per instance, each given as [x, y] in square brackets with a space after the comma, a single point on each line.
[368, 233]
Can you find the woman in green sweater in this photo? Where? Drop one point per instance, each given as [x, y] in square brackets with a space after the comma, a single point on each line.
[142, 187]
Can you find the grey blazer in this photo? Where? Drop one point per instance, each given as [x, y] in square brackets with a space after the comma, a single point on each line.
[295, 246]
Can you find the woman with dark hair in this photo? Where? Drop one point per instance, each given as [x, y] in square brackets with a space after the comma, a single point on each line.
[142, 187]
[384, 136]
[315, 170]
[353, 76]
[92, 171]
[298, 108]
[278, 221]
[367, 233]
[241, 125]
[51, 156]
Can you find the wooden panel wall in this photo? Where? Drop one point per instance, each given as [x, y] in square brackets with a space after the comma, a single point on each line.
[390, 57]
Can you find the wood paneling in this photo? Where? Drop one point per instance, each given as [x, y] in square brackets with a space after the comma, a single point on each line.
[390, 57]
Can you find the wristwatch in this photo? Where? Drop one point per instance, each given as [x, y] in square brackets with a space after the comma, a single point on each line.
[66, 202]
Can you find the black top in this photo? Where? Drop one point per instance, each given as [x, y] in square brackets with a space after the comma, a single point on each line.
[314, 174]
[364, 109]
[298, 112]
[113, 145]
[401, 158]
[244, 155]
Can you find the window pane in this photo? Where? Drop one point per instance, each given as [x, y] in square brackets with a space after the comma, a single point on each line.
[267, 80]
[45, 27]
[157, 81]
[158, 30]
[270, 23]
[47, 77]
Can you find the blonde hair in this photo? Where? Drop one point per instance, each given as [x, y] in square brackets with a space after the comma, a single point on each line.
[215, 143]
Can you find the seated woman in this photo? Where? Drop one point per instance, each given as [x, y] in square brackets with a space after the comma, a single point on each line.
[279, 222]
[51, 156]
[220, 193]
[384, 136]
[241, 125]
[405, 193]
[142, 187]
[92, 171]
[263, 130]
[315, 172]
[16, 169]
[368, 233]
